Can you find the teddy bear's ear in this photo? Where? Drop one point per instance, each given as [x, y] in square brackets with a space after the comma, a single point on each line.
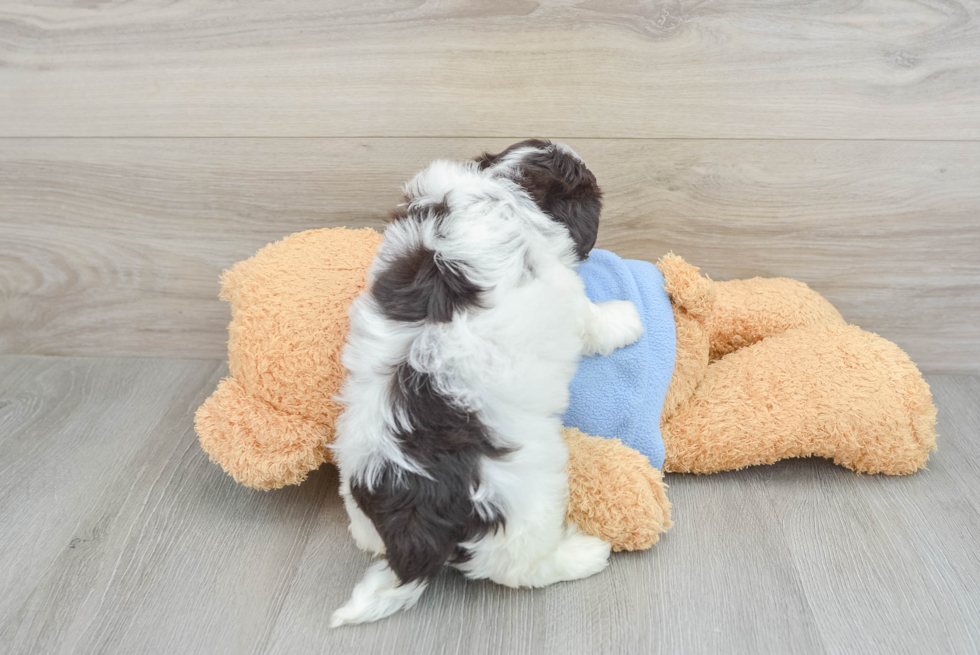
[256, 444]
[692, 297]
[688, 289]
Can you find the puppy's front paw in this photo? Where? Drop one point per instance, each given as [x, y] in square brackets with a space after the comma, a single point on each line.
[617, 324]
[627, 317]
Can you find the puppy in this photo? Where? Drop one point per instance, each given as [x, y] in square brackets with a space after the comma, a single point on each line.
[460, 353]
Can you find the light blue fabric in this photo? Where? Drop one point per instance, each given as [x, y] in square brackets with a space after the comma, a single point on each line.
[622, 395]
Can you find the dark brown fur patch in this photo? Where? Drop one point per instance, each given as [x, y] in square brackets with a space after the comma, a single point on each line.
[561, 185]
[398, 213]
[418, 286]
[423, 519]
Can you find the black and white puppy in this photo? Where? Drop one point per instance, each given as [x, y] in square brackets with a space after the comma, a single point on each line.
[460, 353]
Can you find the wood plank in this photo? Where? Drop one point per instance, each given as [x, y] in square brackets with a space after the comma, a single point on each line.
[71, 434]
[104, 562]
[904, 545]
[114, 247]
[959, 427]
[892, 69]
[139, 544]
[676, 598]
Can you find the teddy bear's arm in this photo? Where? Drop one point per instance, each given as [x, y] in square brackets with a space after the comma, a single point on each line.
[258, 446]
[614, 493]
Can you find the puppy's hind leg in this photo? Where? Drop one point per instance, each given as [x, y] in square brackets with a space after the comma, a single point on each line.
[361, 529]
[576, 555]
[418, 537]
[535, 547]
[610, 325]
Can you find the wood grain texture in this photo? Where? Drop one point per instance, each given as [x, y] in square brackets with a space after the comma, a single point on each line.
[895, 69]
[77, 435]
[114, 246]
[120, 537]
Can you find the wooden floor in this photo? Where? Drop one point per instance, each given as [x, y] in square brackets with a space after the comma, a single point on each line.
[120, 537]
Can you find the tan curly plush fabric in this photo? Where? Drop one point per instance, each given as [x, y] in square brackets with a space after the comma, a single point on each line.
[747, 311]
[765, 369]
[866, 406]
[692, 299]
[772, 371]
[269, 424]
[614, 493]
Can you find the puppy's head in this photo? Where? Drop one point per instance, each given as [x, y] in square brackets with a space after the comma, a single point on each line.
[558, 181]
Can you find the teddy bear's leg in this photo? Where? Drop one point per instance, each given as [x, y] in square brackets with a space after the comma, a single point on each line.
[748, 311]
[829, 390]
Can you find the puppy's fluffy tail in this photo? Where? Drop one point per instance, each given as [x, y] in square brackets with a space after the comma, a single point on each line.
[379, 594]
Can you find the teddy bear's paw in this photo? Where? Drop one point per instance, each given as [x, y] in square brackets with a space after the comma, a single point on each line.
[614, 324]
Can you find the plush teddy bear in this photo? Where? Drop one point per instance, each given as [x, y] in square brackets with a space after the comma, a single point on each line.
[762, 370]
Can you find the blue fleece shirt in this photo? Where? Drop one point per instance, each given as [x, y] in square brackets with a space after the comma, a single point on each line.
[622, 395]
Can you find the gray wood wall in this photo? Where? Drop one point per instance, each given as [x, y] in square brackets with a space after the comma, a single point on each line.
[144, 147]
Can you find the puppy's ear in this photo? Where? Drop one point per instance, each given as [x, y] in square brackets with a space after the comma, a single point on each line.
[486, 160]
[565, 189]
[558, 181]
